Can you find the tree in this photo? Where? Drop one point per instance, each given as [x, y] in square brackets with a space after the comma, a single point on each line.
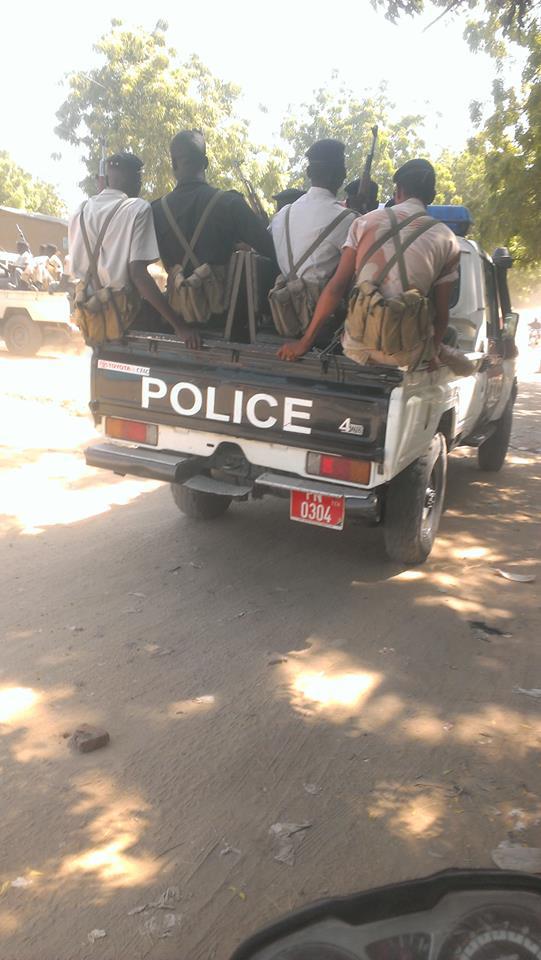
[510, 19]
[335, 112]
[20, 190]
[141, 96]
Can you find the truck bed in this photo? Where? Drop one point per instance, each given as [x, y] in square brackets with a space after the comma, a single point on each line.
[239, 389]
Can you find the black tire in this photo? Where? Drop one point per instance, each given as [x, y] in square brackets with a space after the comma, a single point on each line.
[492, 453]
[23, 337]
[198, 505]
[414, 504]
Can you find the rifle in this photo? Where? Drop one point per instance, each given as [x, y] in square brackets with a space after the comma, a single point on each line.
[253, 198]
[21, 236]
[365, 189]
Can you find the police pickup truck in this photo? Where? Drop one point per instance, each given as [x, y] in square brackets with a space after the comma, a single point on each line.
[30, 317]
[337, 441]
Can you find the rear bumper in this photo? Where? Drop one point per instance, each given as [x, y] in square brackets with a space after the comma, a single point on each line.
[178, 468]
[137, 461]
[360, 502]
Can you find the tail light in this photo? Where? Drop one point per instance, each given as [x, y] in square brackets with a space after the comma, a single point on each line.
[338, 468]
[133, 430]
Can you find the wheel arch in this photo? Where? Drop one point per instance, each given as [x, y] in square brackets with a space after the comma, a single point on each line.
[446, 426]
[15, 312]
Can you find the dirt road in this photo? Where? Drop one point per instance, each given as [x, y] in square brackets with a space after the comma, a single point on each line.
[249, 672]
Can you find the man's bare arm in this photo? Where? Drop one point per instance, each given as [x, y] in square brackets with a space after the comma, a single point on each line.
[330, 297]
[149, 290]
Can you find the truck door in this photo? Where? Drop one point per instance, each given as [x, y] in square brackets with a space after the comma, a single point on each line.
[493, 340]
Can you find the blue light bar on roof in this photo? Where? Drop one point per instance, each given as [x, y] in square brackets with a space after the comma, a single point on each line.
[458, 218]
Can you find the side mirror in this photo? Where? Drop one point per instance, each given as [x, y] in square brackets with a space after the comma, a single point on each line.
[502, 258]
[503, 261]
[510, 325]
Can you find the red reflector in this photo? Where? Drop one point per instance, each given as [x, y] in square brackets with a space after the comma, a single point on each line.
[338, 468]
[132, 430]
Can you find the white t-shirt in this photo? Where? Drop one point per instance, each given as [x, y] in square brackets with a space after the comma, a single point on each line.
[129, 237]
[308, 218]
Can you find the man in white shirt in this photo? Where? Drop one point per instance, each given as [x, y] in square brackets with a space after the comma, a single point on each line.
[23, 265]
[129, 244]
[431, 261]
[311, 214]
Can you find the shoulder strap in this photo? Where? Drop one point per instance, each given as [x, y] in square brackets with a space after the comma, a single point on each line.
[428, 223]
[384, 237]
[93, 254]
[189, 245]
[318, 241]
[288, 242]
[399, 253]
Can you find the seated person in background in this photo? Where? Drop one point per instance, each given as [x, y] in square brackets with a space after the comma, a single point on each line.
[23, 265]
[430, 256]
[40, 274]
[54, 263]
[308, 237]
[128, 245]
[198, 229]
[356, 200]
[285, 197]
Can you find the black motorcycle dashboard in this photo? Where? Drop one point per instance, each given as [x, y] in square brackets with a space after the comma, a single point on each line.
[468, 925]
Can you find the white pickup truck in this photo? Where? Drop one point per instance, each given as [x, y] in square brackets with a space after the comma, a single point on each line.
[339, 441]
[29, 317]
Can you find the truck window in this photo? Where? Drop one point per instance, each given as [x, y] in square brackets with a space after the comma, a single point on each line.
[493, 319]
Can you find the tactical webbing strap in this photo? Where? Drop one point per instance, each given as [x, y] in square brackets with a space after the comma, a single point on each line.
[397, 227]
[189, 245]
[295, 267]
[400, 249]
[93, 254]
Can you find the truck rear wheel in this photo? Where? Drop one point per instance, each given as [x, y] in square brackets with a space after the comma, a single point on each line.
[414, 504]
[492, 453]
[23, 337]
[199, 505]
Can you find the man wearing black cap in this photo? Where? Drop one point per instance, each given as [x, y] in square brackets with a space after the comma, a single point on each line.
[311, 214]
[230, 220]
[356, 200]
[285, 197]
[129, 243]
[431, 261]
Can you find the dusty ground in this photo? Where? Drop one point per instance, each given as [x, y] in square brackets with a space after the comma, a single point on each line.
[392, 725]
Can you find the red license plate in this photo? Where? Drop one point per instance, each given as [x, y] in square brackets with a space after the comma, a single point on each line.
[317, 508]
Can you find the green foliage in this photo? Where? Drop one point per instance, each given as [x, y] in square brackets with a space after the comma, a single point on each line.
[335, 112]
[141, 96]
[496, 20]
[20, 190]
[501, 168]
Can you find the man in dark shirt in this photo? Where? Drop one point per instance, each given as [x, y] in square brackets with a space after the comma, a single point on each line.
[230, 222]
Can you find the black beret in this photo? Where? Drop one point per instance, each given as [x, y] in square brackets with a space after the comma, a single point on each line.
[415, 168]
[352, 188]
[327, 151]
[289, 195]
[189, 145]
[125, 159]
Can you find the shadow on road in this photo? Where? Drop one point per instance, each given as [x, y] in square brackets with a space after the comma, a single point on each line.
[252, 671]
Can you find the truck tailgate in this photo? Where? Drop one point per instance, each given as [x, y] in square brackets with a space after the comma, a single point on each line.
[243, 390]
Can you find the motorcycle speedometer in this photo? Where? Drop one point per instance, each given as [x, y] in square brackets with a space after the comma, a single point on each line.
[495, 934]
